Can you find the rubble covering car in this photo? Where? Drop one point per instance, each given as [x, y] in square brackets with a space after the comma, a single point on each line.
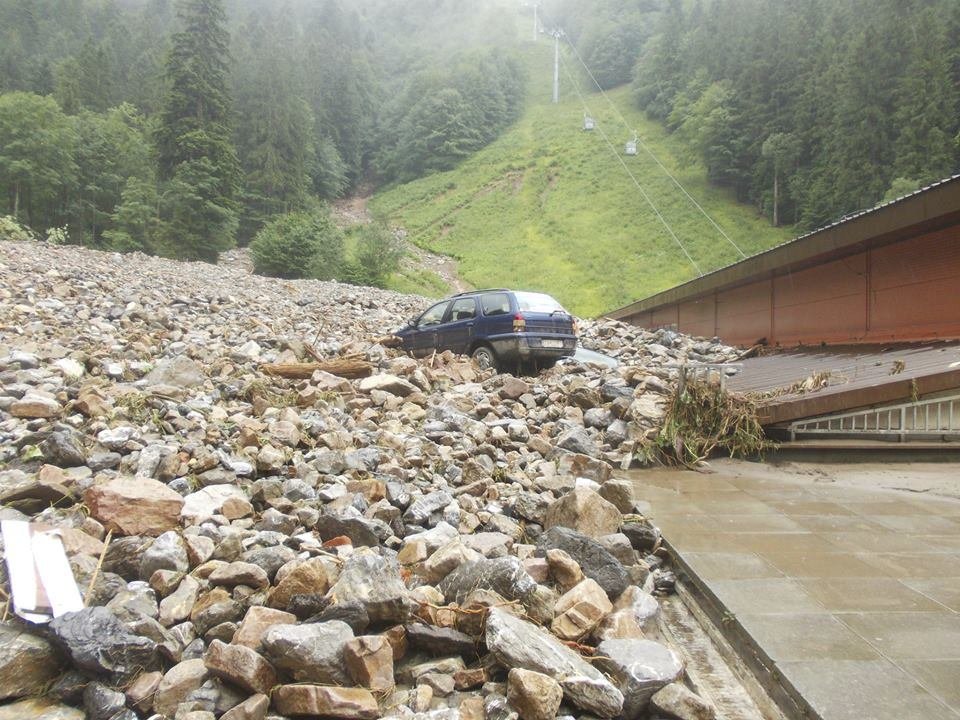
[498, 327]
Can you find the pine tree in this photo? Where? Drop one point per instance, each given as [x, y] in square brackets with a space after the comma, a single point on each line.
[196, 153]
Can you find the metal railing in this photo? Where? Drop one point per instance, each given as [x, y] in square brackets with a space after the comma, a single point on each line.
[937, 416]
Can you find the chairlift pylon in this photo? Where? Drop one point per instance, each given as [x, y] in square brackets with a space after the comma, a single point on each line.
[588, 123]
[631, 146]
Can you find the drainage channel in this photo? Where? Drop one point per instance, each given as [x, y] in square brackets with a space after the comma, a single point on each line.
[714, 669]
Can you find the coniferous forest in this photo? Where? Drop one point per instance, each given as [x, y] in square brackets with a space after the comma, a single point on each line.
[182, 127]
[809, 109]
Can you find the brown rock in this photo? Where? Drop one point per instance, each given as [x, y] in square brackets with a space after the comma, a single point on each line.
[180, 604]
[586, 512]
[677, 701]
[397, 637]
[256, 623]
[179, 681]
[469, 678]
[513, 388]
[471, 708]
[309, 577]
[533, 695]
[369, 660]
[241, 666]
[134, 506]
[253, 708]
[580, 610]
[565, 570]
[140, 692]
[35, 406]
[27, 662]
[350, 703]
[240, 573]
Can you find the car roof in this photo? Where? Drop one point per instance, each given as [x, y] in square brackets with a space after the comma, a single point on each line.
[480, 292]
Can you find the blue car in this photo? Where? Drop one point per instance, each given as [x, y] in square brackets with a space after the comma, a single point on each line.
[499, 328]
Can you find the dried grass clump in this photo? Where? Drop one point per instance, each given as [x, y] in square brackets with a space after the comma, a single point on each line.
[702, 419]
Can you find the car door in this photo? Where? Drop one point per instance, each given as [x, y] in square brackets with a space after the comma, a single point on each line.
[423, 340]
[456, 333]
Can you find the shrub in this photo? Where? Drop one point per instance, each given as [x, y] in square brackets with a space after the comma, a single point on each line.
[377, 256]
[299, 245]
[10, 229]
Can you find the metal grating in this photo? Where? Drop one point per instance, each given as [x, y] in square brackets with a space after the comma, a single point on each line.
[935, 417]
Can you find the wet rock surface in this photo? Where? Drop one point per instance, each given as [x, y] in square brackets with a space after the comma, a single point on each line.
[430, 540]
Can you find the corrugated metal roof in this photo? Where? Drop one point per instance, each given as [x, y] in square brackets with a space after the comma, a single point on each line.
[846, 377]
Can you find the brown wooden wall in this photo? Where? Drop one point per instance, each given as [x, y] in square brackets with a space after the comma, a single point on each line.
[905, 291]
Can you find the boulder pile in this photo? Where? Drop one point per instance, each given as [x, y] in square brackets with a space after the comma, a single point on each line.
[430, 541]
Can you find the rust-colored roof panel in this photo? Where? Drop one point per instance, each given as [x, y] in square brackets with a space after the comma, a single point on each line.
[843, 378]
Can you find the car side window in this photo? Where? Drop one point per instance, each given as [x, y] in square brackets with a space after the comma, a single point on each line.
[495, 304]
[433, 315]
[463, 309]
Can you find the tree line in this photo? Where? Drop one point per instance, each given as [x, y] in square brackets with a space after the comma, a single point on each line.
[809, 109]
[183, 127]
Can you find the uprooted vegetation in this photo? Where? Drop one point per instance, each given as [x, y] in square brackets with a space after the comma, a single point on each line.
[702, 418]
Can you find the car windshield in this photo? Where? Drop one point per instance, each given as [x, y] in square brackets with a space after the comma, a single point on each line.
[537, 302]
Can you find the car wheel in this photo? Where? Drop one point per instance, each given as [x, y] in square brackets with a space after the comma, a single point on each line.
[484, 357]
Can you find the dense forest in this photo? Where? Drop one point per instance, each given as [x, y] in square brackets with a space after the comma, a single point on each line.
[184, 126]
[810, 109]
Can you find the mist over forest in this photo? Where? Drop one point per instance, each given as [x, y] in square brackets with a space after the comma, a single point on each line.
[182, 128]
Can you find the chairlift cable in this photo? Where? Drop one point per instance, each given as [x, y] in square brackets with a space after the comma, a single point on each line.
[650, 152]
[636, 182]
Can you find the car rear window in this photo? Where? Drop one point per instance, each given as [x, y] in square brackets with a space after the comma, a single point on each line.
[495, 304]
[537, 302]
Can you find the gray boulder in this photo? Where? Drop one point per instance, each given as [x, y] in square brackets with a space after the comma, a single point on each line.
[640, 668]
[517, 643]
[310, 653]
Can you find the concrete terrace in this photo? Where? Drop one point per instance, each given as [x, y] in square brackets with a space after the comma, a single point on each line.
[845, 602]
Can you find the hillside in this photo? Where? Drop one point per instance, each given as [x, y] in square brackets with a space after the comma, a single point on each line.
[548, 206]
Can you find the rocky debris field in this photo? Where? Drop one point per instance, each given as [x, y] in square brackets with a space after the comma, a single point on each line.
[425, 542]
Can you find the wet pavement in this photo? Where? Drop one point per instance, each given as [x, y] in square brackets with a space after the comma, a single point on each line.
[846, 598]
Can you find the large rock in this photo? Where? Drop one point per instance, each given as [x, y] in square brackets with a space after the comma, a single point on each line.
[40, 709]
[677, 701]
[369, 660]
[168, 552]
[586, 512]
[181, 372]
[311, 652]
[640, 668]
[212, 500]
[595, 561]
[27, 662]
[517, 643]
[580, 610]
[241, 666]
[100, 644]
[307, 578]
[533, 695]
[375, 583]
[634, 615]
[505, 576]
[387, 383]
[335, 702]
[178, 682]
[256, 623]
[134, 506]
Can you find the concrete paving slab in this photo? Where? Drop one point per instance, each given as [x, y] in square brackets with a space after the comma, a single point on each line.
[941, 677]
[862, 690]
[876, 594]
[945, 591]
[806, 636]
[909, 636]
[846, 597]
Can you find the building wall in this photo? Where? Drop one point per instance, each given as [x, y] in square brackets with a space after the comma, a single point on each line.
[906, 291]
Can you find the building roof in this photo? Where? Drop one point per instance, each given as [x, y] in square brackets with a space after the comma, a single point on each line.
[930, 208]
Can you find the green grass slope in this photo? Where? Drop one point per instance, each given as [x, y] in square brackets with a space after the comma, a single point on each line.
[550, 207]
